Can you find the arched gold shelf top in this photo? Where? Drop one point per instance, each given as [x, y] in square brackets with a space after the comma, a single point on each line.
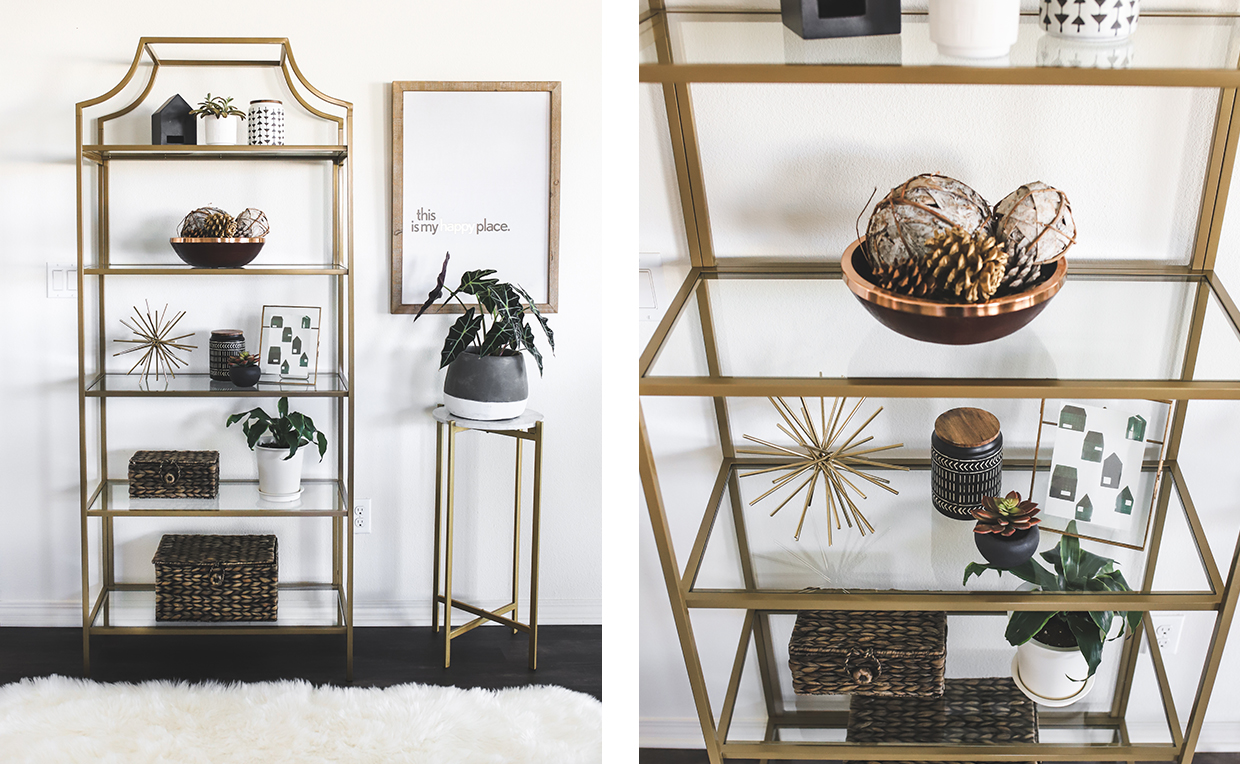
[286, 62]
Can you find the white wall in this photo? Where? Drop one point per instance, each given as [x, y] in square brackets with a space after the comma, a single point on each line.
[62, 53]
[787, 169]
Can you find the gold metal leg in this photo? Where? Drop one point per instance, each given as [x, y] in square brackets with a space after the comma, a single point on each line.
[516, 537]
[447, 555]
[438, 519]
[537, 513]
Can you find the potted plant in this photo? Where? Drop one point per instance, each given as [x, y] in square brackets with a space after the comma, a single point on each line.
[974, 28]
[1058, 652]
[278, 442]
[243, 369]
[483, 352]
[218, 114]
[1007, 529]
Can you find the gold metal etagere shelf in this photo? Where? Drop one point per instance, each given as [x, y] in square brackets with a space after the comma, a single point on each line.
[1165, 59]
[116, 607]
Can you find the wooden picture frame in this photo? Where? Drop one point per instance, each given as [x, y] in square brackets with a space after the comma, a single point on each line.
[475, 169]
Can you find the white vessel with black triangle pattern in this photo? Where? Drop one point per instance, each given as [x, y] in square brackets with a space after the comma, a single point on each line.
[1089, 19]
[265, 122]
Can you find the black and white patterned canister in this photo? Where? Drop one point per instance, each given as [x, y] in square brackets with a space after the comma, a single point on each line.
[966, 461]
[225, 343]
[265, 123]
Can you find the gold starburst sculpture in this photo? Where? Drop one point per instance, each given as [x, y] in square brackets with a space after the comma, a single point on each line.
[160, 350]
[823, 452]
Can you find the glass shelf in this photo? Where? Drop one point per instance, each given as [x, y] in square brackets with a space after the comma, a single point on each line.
[772, 328]
[182, 269]
[1167, 50]
[301, 606]
[104, 153]
[933, 552]
[195, 385]
[236, 498]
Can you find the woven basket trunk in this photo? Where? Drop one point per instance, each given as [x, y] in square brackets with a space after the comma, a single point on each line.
[989, 711]
[174, 474]
[884, 653]
[216, 578]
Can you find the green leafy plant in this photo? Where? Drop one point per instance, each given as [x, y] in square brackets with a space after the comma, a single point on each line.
[243, 359]
[218, 107]
[504, 304]
[289, 430]
[1075, 570]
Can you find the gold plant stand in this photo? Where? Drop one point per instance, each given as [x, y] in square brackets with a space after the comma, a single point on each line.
[113, 606]
[528, 426]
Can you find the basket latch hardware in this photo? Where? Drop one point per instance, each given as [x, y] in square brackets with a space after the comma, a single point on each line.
[217, 575]
[170, 471]
[863, 666]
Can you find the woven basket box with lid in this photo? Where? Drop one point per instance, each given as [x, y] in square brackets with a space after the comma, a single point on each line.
[174, 474]
[216, 578]
[887, 653]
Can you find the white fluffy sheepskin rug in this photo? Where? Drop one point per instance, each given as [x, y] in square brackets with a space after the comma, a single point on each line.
[57, 719]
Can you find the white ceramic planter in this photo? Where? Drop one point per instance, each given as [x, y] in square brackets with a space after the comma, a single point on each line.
[1054, 673]
[1099, 20]
[222, 131]
[974, 28]
[279, 479]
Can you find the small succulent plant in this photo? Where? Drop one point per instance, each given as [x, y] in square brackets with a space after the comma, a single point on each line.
[243, 359]
[1006, 515]
[218, 107]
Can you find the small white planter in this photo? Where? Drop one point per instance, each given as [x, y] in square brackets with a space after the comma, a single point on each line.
[1098, 20]
[279, 479]
[222, 131]
[1055, 675]
[974, 28]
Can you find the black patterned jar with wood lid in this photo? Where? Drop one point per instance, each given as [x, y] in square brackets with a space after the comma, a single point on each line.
[225, 343]
[966, 461]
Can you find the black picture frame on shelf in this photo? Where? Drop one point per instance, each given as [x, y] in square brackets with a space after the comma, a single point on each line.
[817, 19]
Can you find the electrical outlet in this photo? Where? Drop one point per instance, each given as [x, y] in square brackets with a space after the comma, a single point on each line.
[1167, 630]
[61, 280]
[361, 516]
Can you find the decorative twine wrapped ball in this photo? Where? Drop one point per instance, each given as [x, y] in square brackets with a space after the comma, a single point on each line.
[252, 223]
[1035, 224]
[916, 211]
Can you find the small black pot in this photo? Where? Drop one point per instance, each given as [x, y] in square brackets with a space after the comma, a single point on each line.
[244, 376]
[1008, 551]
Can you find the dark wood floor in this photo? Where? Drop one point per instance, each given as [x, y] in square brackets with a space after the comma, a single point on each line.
[689, 756]
[490, 657]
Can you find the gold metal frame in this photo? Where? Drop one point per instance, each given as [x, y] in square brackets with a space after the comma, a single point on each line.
[95, 265]
[398, 305]
[758, 604]
[313, 379]
[445, 495]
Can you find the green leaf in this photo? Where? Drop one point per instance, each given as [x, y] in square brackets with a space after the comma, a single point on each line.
[498, 337]
[460, 335]
[1088, 639]
[255, 431]
[527, 339]
[282, 406]
[533, 306]
[1103, 619]
[322, 440]
[473, 281]
[1024, 624]
[1070, 557]
[977, 569]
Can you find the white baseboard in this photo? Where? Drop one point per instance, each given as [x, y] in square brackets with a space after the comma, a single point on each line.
[1216, 737]
[392, 613]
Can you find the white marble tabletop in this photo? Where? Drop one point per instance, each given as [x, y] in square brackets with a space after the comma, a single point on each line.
[523, 422]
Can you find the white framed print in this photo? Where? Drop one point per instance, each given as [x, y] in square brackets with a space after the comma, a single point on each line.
[288, 344]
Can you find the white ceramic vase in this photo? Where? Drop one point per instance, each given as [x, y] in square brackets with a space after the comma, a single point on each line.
[1097, 20]
[974, 28]
[279, 479]
[1054, 673]
[222, 131]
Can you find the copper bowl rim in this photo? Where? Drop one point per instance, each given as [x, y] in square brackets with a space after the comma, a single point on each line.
[212, 240]
[1012, 303]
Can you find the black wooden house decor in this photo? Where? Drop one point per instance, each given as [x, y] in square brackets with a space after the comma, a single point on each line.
[172, 124]
[813, 19]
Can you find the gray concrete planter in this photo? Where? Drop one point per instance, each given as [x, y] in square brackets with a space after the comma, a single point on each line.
[486, 387]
